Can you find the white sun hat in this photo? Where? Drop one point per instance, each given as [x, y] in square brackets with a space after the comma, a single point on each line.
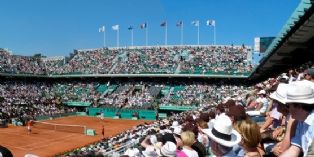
[299, 93]
[262, 92]
[223, 133]
[305, 83]
[168, 149]
[177, 130]
[132, 152]
[175, 124]
[150, 152]
[281, 93]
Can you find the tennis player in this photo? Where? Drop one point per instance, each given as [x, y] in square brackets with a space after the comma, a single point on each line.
[29, 126]
[103, 131]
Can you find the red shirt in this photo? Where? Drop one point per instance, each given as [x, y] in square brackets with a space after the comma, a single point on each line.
[29, 123]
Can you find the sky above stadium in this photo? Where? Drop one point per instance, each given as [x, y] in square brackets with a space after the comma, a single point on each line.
[56, 27]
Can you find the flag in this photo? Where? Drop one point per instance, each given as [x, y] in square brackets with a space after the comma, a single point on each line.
[115, 27]
[196, 23]
[101, 29]
[179, 24]
[163, 24]
[130, 28]
[210, 22]
[144, 25]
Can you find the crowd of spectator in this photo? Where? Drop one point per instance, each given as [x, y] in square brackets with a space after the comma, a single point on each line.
[152, 60]
[132, 96]
[15, 64]
[33, 99]
[224, 59]
[202, 94]
[23, 101]
[273, 118]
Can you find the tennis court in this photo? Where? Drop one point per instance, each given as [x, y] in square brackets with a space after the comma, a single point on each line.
[48, 142]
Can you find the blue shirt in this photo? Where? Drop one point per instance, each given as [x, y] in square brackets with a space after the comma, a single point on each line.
[304, 133]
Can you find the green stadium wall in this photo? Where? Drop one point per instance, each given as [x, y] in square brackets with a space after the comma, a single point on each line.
[124, 113]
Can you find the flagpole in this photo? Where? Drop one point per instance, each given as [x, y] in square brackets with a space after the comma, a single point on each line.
[104, 36]
[182, 33]
[198, 34]
[132, 37]
[117, 38]
[215, 34]
[146, 35]
[166, 34]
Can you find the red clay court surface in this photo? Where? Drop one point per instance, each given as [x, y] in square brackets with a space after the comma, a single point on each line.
[43, 142]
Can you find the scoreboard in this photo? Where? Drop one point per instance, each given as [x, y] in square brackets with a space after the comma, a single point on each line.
[261, 43]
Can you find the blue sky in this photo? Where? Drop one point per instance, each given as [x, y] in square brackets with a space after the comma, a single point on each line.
[56, 27]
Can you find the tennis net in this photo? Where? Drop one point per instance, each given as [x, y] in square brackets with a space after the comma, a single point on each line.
[60, 127]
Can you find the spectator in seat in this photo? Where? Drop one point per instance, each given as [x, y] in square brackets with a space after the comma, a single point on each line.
[251, 138]
[300, 99]
[223, 137]
[188, 138]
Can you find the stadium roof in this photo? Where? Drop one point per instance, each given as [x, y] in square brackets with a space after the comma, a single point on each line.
[292, 46]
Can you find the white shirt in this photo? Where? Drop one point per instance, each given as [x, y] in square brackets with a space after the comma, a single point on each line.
[274, 113]
[309, 135]
[190, 153]
[264, 102]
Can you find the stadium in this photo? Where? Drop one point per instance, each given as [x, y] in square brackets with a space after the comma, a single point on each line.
[185, 100]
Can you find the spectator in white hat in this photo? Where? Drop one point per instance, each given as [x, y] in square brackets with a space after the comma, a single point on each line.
[168, 150]
[150, 152]
[274, 117]
[262, 105]
[132, 152]
[300, 99]
[223, 137]
[288, 123]
[149, 140]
